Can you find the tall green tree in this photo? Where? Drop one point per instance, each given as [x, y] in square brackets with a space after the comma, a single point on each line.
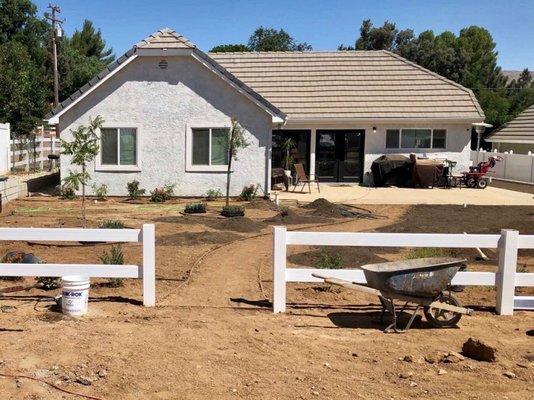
[89, 43]
[23, 90]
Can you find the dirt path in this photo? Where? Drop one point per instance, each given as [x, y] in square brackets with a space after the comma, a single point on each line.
[216, 337]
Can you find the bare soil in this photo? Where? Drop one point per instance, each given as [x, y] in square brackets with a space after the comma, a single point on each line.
[213, 335]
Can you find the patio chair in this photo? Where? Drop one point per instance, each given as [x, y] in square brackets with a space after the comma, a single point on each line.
[304, 179]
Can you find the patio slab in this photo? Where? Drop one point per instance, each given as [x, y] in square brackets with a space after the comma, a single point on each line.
[353, 194]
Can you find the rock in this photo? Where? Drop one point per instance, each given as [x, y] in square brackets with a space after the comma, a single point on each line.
[441, 372]
[509, 374]
[452, 358]
[407, 358]
[354, 354]
[315, 393]
[327, 365]
[102, 373]
[433, 358]
[529, 357]
[83, 381]
[413, 384]
[519, 364]
[477, 350]
[405, 375]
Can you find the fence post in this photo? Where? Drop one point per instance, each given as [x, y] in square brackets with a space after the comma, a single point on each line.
[505, 277]
[148, 273]
[279, 269]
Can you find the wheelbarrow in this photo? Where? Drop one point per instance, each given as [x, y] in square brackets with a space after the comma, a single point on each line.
[425, 282]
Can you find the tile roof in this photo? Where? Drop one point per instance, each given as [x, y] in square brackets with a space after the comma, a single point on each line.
[167, 38]
[520, 129]
[350, 84]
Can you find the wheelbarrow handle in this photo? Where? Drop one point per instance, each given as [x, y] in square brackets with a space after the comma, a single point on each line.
[347, 284]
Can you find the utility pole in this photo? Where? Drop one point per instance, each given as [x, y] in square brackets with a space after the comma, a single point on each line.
[56, 32]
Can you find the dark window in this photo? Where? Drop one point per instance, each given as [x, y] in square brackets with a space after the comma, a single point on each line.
[392, 138]
[439, 139]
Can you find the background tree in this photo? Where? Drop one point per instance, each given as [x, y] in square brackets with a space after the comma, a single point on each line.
[236, 142]
[269, 39]
[82, 149]
[23, 89]
[89, 43]
[229, 48]
[469, 59]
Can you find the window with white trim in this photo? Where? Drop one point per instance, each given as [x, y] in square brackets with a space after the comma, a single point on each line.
[118, 146]
[209, 146]
[416, 138]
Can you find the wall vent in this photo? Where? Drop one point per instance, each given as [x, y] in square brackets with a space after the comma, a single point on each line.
[163, 64]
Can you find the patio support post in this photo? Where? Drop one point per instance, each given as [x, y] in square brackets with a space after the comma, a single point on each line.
[505, 277]
[279, 269]
[313, 143]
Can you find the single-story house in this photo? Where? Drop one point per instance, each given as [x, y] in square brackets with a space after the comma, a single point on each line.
[517, 135]
[166, 106]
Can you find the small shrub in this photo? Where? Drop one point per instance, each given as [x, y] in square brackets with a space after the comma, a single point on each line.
[195, 208]
[67, 192]
[101, 192]
[169, 190]
[48, 283]
[161, 195]
[233, 211]
[327, 261]
[133, 190]
[426, 252]
[111, 224]
[114, 257]
[248, 193]
[213, 194]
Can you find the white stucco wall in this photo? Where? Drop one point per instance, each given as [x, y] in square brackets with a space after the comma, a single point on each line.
[457, 141]
[161, 104]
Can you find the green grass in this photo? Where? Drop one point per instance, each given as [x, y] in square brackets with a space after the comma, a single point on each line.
[425, 252]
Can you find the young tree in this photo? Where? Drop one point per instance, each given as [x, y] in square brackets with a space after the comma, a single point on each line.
[83, 149]
[236, 142]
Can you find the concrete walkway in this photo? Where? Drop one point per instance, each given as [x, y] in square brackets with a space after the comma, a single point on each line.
[350, 194]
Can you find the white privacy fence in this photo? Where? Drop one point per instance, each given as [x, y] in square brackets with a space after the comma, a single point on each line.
[24, 154]
[506, 279]
[5, 133]
[146, 271]
[514, 167]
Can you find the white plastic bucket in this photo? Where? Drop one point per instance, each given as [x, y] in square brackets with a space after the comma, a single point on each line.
[74, 295]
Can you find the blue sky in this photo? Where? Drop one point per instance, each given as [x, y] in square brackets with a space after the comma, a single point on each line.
[323, 24]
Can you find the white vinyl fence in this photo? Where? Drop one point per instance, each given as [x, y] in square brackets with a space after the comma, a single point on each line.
[23, 153]
[505, 280]
[146, 271]
[5, 134]
[514, 167]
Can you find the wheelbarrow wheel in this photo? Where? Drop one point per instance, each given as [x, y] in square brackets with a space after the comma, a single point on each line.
[439, 318]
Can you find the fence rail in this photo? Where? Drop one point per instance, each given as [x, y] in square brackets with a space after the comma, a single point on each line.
[146, 271]
[514, 167]
[506, 279]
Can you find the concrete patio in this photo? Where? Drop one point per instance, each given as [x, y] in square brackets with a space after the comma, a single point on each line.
[353, 194]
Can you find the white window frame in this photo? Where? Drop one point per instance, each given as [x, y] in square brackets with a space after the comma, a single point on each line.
[125, 168]
[418, 148]
[189, 166]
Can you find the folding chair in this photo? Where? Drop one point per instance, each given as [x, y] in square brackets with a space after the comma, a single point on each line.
[303, 178]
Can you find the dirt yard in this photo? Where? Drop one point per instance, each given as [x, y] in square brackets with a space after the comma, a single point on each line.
[213, 335]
